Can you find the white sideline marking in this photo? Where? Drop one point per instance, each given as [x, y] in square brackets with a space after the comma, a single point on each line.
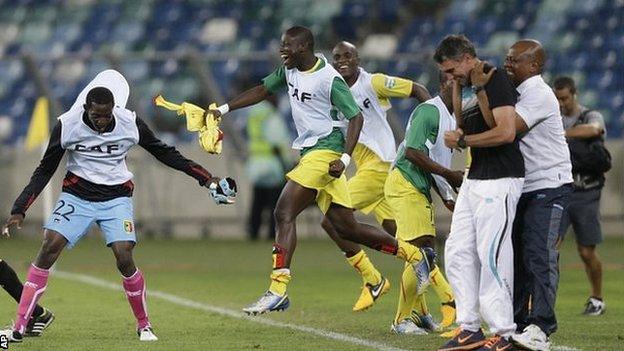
[564, 348]
[234, 314]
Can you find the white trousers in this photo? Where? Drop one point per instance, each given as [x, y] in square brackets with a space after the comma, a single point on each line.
[479, 253]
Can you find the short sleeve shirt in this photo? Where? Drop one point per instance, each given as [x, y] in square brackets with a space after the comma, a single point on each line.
[503, 161]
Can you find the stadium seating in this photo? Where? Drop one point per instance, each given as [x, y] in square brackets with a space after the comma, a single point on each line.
[69, 41]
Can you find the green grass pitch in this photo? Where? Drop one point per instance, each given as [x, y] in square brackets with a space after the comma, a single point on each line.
[231, 274]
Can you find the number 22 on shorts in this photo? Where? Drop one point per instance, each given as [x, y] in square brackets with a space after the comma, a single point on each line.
[63, 210]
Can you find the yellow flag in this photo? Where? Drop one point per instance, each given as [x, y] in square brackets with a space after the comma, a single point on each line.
[39, 129]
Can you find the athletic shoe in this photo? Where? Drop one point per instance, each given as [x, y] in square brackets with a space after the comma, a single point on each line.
[426, 322]
[12, 335]
[147, 334]
[407, 327]
[423, 268]
[37, 325]
[594, 307]
[268, 302]
[370, 293]
[465, 340]
[497, 343]
[532, 338]
[449, 313]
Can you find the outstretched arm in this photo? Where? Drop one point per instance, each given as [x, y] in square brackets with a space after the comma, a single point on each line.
[270, 84]
[396, 87]
[247, 98]
[171, 157]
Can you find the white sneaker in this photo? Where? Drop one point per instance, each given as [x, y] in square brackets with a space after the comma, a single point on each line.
[147, 334]
[594, 307]
[407, 326]
[532, 338]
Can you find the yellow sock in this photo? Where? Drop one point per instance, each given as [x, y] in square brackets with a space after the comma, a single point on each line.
[408, 252]
[279, 281]
[441, 286]
[420, 305]
[407, 294]
[365, 268]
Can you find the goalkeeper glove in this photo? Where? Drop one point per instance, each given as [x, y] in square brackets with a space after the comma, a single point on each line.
[223, 191]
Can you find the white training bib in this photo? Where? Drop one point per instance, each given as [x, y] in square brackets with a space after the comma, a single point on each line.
[99, 157]
[310, 102]
[376, 133]
[439, 152]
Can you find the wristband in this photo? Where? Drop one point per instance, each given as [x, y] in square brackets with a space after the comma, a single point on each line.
[345, 159]
[225, 108]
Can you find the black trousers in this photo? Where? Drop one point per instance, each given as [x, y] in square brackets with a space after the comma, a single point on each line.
[537, 227]
[264, 200]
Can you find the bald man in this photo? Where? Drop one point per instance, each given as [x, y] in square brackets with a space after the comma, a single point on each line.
[547, 186]
[373, 156]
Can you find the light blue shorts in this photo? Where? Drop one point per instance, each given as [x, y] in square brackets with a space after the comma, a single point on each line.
[72, 217]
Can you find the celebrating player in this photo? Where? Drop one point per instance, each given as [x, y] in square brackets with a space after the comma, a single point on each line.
[97, 133]
[373, 155]
[317, 93]
[422, 159]
[41, 317]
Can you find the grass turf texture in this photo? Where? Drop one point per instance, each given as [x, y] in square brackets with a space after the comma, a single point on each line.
[231, 274]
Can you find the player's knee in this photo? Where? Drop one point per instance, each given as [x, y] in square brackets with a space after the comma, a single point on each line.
[344, 230]
[125, 265]
[282, 215]
[587, 253]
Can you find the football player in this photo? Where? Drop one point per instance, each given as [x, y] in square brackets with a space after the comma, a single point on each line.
[97, 133]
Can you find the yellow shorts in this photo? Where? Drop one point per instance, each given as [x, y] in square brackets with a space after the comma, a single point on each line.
[367, 185]
[412, 210]
[312, 172]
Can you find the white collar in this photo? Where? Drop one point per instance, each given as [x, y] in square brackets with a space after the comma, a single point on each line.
[529, 83]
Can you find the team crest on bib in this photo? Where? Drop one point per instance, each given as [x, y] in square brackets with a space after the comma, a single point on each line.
[128, 226]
